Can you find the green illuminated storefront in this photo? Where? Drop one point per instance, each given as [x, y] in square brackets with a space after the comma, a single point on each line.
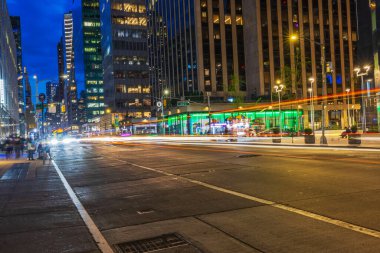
[237, 123]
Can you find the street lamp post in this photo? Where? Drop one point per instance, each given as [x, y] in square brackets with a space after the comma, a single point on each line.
[361, 74]
[311, 79]
[348, 107]
[164, 93]
[209, 111]
[294, 37]
[278, 89]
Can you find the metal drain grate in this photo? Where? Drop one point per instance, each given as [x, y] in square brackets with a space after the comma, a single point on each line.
[247, 156]
[152, 244]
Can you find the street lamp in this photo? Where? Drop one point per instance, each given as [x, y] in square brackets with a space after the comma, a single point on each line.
[361, 72]
[278, 89]
[164, 93]
[348, 107]
[293, 38]
[311, 79]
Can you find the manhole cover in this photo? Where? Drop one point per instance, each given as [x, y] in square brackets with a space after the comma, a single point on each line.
[247, 156]
[162, 242]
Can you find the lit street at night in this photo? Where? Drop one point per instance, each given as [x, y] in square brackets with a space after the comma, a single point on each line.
[189, 126]
[210, 196]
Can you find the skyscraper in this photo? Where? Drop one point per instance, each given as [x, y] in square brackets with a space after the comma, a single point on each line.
[288, 40]
[16, 25]
[51, 91]
[125, 57]
[369, 54]
[9, 113]
[93, 70]
[61, 72]
[70, 86]
[197, 47]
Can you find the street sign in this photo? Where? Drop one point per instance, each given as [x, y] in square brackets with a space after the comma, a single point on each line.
[183, 103]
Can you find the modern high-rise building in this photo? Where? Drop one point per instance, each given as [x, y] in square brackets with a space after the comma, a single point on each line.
[125, 57]
[369, 53]
[197, 47]
[288, 41]
[9, 108]
[51, 91]
[93, 69]
[71, 99]
[61, 72]
[29, 108]
[16, 26]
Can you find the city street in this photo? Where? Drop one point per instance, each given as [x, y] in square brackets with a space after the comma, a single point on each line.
[193, 197]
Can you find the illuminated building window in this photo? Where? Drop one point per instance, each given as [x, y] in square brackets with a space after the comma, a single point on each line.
[216, 19]
[142, 8]
[239, 20]
[91, 24]
[130, 7]
[121, 88]
[90, 49]
[227, 20]
[146, 90]
[133, 90]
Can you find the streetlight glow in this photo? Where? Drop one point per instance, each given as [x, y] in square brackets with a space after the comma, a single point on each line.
[293, 37]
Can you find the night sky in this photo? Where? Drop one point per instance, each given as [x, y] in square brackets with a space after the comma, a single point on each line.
[41, 27]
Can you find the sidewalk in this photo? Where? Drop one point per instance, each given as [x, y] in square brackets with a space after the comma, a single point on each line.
[36, 213]
[333, 140]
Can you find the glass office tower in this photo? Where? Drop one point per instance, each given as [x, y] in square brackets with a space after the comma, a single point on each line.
[93, 70]
[197, 48]
[125, 57]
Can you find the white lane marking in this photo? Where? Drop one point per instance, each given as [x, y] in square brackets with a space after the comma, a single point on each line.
[311, 215]
[95, 232]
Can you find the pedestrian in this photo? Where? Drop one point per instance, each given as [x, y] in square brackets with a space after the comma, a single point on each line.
[31, 148]
[22, 145]
[40, 150]
[47, 150]
[8, 148]
[17, 147]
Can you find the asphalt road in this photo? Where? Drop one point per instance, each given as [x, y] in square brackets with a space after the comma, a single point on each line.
[210, 197]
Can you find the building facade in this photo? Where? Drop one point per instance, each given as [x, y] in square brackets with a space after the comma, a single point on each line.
[70, 93]
[9, 107]
[29, 108]
[125, 57]
[93, 69]
[287, 41]
[16, 26]
[197, 47]
[51, 92]
[61, 72]
[369, 54]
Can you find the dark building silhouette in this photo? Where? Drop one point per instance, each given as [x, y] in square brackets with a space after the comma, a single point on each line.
[16, 26]
[125, 57]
